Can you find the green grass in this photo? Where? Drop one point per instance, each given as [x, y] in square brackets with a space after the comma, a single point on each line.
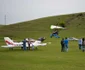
[49, 57]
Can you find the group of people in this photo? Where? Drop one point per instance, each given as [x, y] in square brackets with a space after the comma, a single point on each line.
[28, 43]
[64, 44]
[81, 43]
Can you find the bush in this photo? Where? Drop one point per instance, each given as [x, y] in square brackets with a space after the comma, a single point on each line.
[62, 24]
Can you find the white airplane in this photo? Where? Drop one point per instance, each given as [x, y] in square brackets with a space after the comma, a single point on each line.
[56, 27]
[11, 44]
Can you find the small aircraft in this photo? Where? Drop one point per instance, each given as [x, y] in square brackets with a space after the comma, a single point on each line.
[11, 44]
[56, 27]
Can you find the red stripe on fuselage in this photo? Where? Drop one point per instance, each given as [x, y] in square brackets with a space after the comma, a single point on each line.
[9, 43]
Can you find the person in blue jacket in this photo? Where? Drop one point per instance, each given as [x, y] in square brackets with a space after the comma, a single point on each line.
[24, 44]
[55, 34]
[80, 44]
[66, 43]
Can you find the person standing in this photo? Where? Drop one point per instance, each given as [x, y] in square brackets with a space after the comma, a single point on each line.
[83, 44]
[66, 44]
[24, 44]
[29, 42]
[62, 45]
[80, 44]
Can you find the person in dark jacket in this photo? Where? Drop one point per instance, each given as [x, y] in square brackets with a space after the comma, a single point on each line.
[29, 42]
[83, 44]
[62, 45]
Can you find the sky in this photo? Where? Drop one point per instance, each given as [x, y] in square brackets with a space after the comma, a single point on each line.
[14, 11]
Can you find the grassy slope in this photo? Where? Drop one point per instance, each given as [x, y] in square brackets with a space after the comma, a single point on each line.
[45, 58]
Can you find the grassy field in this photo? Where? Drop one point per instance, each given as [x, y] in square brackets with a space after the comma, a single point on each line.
[49, 57]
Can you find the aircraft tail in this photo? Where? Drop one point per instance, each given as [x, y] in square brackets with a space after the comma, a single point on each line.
[8, 41]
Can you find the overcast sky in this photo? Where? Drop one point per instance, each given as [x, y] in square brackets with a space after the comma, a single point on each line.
[24, 10]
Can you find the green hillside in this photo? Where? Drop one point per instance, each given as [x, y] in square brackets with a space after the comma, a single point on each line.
[49, 57]
[74, 23]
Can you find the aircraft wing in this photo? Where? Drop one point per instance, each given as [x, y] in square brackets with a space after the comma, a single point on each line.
[38, 43]
[56, 27]
[73, 39]
[10, 46]
[5, 46]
